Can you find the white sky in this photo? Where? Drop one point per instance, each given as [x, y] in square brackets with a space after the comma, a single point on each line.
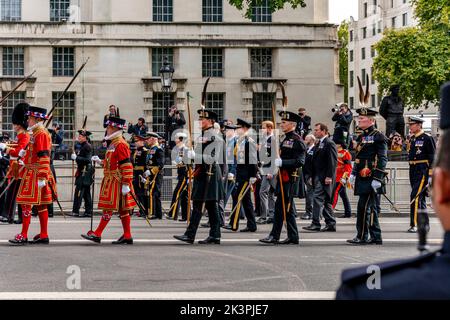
[343, 9]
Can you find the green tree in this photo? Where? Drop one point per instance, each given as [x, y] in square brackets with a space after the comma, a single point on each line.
[417, 58]
[343, 56]
[274, 5]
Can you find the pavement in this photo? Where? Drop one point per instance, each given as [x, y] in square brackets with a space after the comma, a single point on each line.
[160, 267]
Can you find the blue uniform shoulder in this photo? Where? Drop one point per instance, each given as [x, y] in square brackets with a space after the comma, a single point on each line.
[360, 274]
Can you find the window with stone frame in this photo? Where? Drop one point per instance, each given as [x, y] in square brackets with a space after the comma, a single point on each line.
[262, 108]
[64, 113]
[158, 55]
[63, 61]
[13, 61]
[162, 10]
[261, 12]
[161, 103]
[212, 62]
[59, 10]
[7, 110]
[261, 63]
[11, 10]
[212, 10]
[215, 101]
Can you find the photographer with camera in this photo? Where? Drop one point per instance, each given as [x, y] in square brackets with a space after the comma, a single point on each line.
[175, 121]
[139, 129]
[304, 125]
[343, 118]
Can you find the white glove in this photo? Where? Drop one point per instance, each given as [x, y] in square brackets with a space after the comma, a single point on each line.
[352, 180]
[147, 173]
[22, 153]
[376, 185]
[143, 180]
[41, 183]
[21, 163]
[2, 146]
[191, 154]
[253, 180]
[343, 181]
[278, 162]
[125, 189]
[96, 159]
[73, 156]
[230, 176]
[430, 180]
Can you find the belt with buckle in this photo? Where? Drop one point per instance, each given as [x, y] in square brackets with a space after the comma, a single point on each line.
[418, 162]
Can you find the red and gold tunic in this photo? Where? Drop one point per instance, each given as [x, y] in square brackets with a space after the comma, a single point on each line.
[344, 165]
[118, 171]
[37, 167]
[14, 170]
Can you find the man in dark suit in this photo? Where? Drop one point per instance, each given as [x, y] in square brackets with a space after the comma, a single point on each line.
[310, 141]
[304, 123]
[324, 176]
[428, 275]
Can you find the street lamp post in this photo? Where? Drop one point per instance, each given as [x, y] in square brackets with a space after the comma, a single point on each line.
[166, 74]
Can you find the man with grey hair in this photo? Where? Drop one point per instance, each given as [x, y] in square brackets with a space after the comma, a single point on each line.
[310, 141]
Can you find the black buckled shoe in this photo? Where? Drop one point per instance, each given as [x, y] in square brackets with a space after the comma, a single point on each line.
[306, 216]
[19, 240]
[38, 240]
[210, 240]
[248, 230]
[184, 238]
[289, 241]
[228, 227]
[328, 229]
[357, 241]
[205, 225]
[91, 237]
[374, 241]
[269, 240]
[312, 227]
[122, 240]
[182, 220]
[17, 221]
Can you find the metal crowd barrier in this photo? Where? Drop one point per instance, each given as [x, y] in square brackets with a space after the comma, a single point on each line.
[398, 187]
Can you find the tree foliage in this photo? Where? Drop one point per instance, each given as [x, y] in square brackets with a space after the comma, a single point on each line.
[416, 58]
[343, 56]
[273, 4]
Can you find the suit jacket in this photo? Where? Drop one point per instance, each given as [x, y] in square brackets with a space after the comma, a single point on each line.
[325, 163]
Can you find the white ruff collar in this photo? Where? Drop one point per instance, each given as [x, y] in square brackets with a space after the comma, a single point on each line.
[114, 135]
[39, 124]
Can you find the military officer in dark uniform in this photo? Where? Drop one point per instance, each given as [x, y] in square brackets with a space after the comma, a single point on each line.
[368, 176]
[208, 187]
[291, 158]
[180, 194]
[83, 176]
[421, 158]
[139, 160]
[428, 275]
[246, 169]
[154, 175]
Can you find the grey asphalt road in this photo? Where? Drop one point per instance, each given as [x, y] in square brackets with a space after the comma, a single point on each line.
[161, 266]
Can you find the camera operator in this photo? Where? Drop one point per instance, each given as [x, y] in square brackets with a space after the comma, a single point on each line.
[139, 129]
[343, 118]
[304, 125]
[175, 121]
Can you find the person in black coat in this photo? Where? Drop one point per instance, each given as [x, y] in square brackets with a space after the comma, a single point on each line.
[343, 118]
[324, 176]
[308, 177]
[139, 129]
[84, 176]
[423, 277]
[304, 123]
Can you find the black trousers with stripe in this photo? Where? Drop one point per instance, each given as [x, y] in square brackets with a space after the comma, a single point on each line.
[291, 223]
[367, 218]
[245, 203]
[213, 216]
[418, 178]
[179, 198]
